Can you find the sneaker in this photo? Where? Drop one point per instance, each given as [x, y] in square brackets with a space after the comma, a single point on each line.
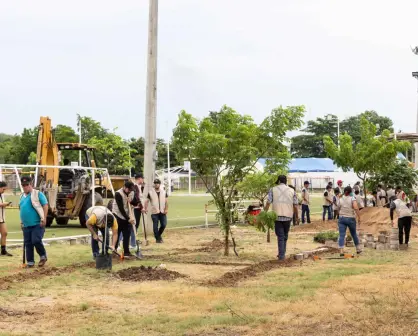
[42, 262]
[5, 253]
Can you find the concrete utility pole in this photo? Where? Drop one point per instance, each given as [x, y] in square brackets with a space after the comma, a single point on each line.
[150, 154]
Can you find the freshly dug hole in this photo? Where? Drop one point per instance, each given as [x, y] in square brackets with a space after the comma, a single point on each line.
[149, 273]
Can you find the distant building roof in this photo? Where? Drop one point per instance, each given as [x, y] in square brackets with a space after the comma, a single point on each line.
[305, 165]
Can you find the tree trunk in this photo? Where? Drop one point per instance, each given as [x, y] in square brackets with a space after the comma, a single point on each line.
[226, 252]
[268, 235]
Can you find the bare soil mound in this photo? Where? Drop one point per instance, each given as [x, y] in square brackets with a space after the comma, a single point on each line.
[214, 245]
[143, 273]
[373, 220]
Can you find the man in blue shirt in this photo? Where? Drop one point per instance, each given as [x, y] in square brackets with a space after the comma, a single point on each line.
[33, 211]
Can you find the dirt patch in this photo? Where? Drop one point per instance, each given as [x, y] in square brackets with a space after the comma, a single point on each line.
[6, 282]
[214, 245]
[232, 278]
[373, 220]
[143, 273]
[184, 260]
[4, 312]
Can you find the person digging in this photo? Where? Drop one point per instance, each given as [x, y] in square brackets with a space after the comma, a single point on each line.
[99, 218]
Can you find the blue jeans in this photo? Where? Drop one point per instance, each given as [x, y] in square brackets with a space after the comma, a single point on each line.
[282, 233]
[32, 236]
[306, 211]
[343, 223]
[137, 213]
[327, 208]
[95, 244]
[162, 218]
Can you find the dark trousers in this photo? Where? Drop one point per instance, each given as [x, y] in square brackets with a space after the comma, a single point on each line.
[95, 244]
[162, 219]
[404, 225]
[282, 233]
[32, 236]
[125, 228]
[137, 213]
[327, 208]
[306, 212]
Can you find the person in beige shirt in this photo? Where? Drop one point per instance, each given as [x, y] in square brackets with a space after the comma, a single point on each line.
[305, 203]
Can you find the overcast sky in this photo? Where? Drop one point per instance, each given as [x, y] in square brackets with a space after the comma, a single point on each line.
[59, 58]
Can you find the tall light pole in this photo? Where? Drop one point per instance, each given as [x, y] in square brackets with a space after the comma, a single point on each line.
[168, 162]
[79, 138]
[150, 154]
[415, 75]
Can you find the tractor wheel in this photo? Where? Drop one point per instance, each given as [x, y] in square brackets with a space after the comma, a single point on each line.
[62, 221]
[49, 220]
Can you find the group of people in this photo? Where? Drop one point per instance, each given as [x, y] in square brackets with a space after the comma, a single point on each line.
[122, 216]
[346, 203]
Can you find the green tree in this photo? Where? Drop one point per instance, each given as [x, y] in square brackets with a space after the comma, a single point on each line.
[113, 152]
[352, 125]
[256, 186]
[227, 145]
[399, 173]
[137, 153]
[311, 144]
[24, 146]
[90, 129]
[65, 133]
[370, 156]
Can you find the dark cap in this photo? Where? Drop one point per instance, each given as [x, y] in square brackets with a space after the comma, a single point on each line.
[140, 175]
[157, 181]
[306, 182]
[25, 180]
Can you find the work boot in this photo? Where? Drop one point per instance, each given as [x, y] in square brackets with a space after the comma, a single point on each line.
[42, 262]
[5, 253]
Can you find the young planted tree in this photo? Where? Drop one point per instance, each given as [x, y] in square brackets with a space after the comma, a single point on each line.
[370, 156]
[227, 145]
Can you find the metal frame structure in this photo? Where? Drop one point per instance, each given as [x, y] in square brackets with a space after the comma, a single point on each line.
[15, 168]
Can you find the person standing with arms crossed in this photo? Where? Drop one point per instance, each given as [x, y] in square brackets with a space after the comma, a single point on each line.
[285, 205]
[3, 227]
[305, 203]
[33, 211]
[159, 209]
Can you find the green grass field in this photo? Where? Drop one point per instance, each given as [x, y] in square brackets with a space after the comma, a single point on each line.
[183, 211]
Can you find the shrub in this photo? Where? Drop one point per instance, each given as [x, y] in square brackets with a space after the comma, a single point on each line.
[327, 235]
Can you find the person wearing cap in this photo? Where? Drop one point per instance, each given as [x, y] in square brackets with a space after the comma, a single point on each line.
[3, 227]
[285, 205]
[340, 187]
[138, 191]
[99, 218]
[33, 212]
[404, 219]
[305, 203]
[122, 210]
[159, 209]
[328, 201]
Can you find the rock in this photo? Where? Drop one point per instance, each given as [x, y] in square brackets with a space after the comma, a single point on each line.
[299, 256]
[349, 244]
[73, 241]
[307, 254]
[381, 239]
[371, 245]
[380, 246]
[329, 243]
[370, 238]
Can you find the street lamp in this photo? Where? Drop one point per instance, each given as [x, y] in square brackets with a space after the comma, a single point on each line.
[415, 75]
[331, 118]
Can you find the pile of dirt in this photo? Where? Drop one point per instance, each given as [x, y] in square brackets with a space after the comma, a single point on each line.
[373, 220]
[4, 312]
[214, 245]
[143, 273]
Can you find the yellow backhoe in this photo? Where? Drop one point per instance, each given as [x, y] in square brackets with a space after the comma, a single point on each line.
[69, 190]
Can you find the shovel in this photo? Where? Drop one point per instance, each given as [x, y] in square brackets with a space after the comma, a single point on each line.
[138, 253]
[145, 230]
[104, 261]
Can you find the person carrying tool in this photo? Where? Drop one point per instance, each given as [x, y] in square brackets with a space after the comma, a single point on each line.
[138, 190]
[3, 227]
[33, 211]
[285, 205]
[305, 203]
[99, 218]
[404, 219]
[327, 205]
[348, 210]
[121, 209]
[159, 209]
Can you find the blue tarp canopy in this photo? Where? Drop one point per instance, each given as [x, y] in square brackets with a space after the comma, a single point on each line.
[306, 165]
